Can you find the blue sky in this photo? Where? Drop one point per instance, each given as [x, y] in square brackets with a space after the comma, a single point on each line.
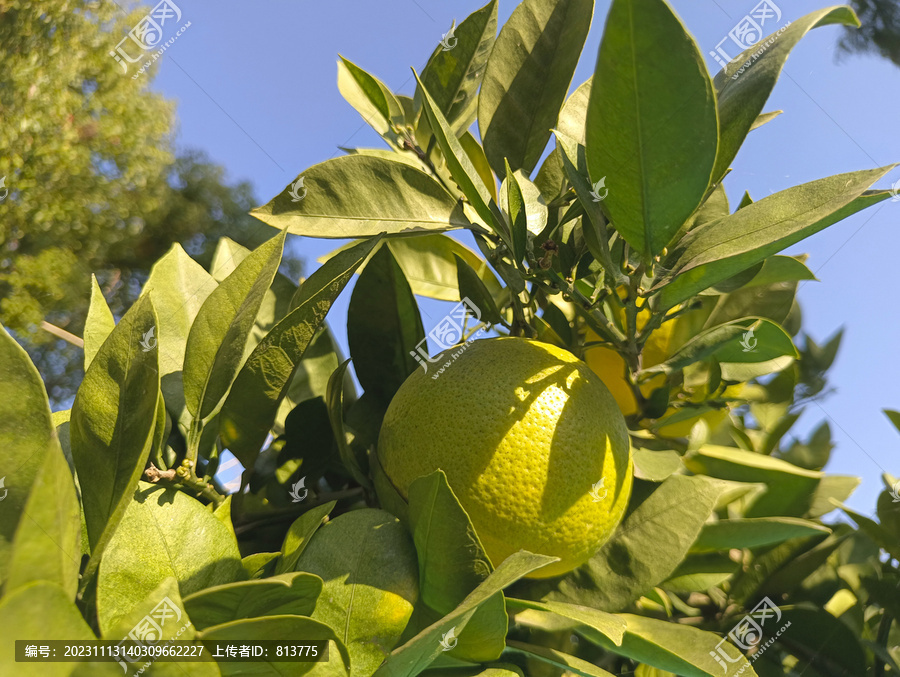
[255, 86]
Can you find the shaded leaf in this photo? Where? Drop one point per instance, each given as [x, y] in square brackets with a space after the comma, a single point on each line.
[558, 659]
[473, 288]
[753, 533]
[289, 594]
[527, 77]
[610, 625]
[264, 380]
[299, 533]
[335, 402]
[453, 76]
[383, 326]
[371, 98]
[644, 550]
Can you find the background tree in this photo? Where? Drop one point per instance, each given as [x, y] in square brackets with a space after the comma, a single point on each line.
[880, 31]
[94, 182]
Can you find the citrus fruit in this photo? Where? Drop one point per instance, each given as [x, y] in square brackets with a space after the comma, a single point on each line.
[531, 441]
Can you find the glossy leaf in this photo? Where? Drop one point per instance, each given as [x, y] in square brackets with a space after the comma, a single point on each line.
[342, 201]
[527, 77]
[368, 564]
[610, 625]
[518, 215]
[675, 647]
[699, 573]
[753, 533]
[215, 345]
[651, 123]
[770, 350]
[383, 326]
[479, 161]
[113, 420]
[175, 535]
[535, 207]
[299, 534]
[98, 325]
[461, 168]
[453, 76]
[252, 406]
[789, 489]
[558, 659]
[411, 658]
[47, 545]
[723, 248]
[817, 638]
[290, 594]
[645, 549]
[26, 437]
[743, 91]
[452, 563]
[370, 97]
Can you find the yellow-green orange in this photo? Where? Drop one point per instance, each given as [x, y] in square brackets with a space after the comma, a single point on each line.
[525, 432]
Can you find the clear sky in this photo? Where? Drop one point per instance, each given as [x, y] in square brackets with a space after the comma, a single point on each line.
[255, 85]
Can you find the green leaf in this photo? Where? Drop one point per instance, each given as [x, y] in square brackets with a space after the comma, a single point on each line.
[742, 95]
[429, 265]
[518, 216]
[754, 533]
[257, 565]
[297, 537]
[573, 115]
[655, 465]
[252, 405]
[563, 661]
[215, 345]
[651, 123]
[527, 77]
[283, 627]
[47, 545]
[645, 549]
[179, 286]
[383, 326]
[458, 162]
[368, 564]
[789, 489]
[479, 160]
[452, 563]
[772, 350]
[26, 436]
[675, 647]
[342, 201]
[496, 670]
[335, 402]
[818, 639]
[472, 287]
[610, 625]
[453, 76]
[371, 98]
[698, 348]
[535, 208]
[98, 325]
[176, 535]
[893, 416]
[41, 610]
[699, 573]
[411, 658]
[113, 421]
[717, 251]
[290, 594]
